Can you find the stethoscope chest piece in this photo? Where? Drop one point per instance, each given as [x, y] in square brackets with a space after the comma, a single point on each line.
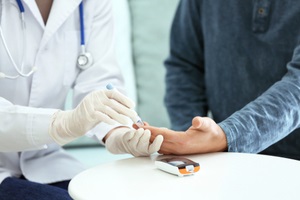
[84, 60]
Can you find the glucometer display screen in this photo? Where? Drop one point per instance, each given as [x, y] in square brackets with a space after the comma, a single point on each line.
[176, 163]
[179, 162]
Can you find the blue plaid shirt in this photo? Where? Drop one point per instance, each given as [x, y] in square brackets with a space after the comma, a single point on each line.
[239, 59]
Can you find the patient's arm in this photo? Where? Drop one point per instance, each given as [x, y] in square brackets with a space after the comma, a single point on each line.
[202, 137]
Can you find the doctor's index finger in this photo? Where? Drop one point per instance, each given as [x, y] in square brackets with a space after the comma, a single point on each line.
[119, 97]
[121, 109]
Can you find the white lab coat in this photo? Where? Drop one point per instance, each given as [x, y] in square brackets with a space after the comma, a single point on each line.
[27, 104]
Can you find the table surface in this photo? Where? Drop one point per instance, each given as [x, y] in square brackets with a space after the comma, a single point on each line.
[232, 176]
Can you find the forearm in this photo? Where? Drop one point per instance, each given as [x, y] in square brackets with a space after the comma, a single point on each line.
[269, 118]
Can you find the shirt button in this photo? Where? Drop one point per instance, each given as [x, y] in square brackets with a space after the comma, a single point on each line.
[261, 11]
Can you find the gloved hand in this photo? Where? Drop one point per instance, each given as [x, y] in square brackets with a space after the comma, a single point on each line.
[106, 106]
[136, 142]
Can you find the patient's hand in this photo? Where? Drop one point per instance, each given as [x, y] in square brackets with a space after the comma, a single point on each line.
[202, 137]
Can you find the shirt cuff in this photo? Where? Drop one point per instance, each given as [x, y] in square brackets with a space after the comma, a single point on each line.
[230, 137]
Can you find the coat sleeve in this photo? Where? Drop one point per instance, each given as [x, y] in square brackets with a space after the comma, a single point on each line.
[269, 118]
[23, 128]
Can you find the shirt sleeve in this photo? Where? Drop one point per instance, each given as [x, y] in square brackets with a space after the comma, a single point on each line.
[270, 117]
[185, 88]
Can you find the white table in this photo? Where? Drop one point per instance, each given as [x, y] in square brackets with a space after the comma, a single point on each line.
[222, 176]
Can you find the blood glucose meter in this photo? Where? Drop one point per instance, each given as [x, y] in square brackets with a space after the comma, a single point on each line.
[177, 165]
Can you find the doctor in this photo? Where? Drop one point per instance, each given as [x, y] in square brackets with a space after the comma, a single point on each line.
[53, 47]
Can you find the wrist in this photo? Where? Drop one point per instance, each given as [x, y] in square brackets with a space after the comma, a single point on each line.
[223, 146]
[57, 129]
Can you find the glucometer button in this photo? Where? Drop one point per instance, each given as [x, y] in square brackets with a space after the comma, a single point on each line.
[189, 168]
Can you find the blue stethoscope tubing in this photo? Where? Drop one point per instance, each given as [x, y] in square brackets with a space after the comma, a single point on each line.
[20, 5]
[19, 70]
[84, 59]
[82, 36]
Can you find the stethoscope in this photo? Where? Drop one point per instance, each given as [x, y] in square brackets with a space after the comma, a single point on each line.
[84, 60]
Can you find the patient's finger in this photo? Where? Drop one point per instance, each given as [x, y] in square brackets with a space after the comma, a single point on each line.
[202, 123]
[135, 126]
[156, 131]
[146, 123]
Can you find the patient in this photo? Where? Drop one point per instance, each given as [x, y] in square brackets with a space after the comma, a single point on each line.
[241, 63]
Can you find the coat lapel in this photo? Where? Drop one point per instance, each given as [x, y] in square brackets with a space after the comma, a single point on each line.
[35, 11]
[60, 11]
